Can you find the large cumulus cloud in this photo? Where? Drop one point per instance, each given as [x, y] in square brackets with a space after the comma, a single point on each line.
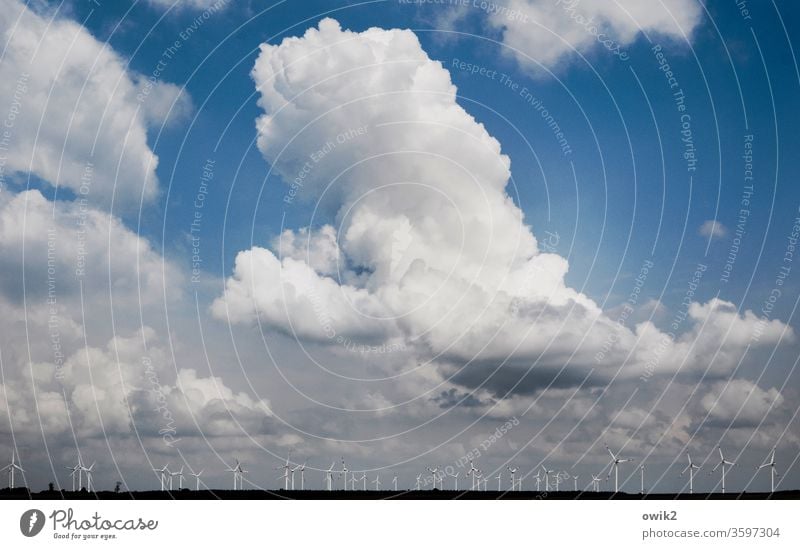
[415, 235]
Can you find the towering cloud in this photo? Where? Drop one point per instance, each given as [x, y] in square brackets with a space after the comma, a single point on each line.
[428, 246]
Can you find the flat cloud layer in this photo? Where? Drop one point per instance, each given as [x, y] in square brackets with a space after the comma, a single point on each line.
[78, 118]
[71, 369]
[428, 247]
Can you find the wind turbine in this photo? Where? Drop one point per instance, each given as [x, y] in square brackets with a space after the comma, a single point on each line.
[538, 479]
[197, 479]
[73, 470]
[11, 468]
[722, 463]
[353, 480]
[615, 461]
[547, 472]
[286, 468]
[471, 472]
[419, 480]
[344, 473]
[88, 471]
[514, 478]
[394, 482]
[499, 478]
[596, 483]
[180, 476]
[485, 483]
[434, 473]
[238, 475]
[292, 470]
[557, 479]
[303, 475]
[641, 478]
[329, 476]
[241, 473]
[691, 467]
[163, 472]
[575, 481]
[377, 482]
[772, 473]
[455, 479]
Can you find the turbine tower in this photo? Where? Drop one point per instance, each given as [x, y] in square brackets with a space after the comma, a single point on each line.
[162, 473]
[471, 472]
[197, 479]
[538, 479]
[772, 473]
[377, 482]
[329, 476]
[455, 479]
[596, 482]
[514, 480]
[180, 476]
[12, 468]
[558, 478]
[241, 473]
[303, 475]
[344, 473]
[547, 472]
[286, 468]
[479, 476]
[691, 468]
[75, 473]
[434, 473]
[722, 463]
[499, 478]
[88, 471]
[394, 482]
[641, 478]
[615, 461]
[238, 475]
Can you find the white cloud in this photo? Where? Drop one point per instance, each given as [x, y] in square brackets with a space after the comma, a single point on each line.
[430, 248]
[123, 388]
[548, 32]
[713, 229]
[79, 116]
[59, 245]
[739, 403]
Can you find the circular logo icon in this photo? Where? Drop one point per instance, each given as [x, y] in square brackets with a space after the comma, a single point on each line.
[31, 522]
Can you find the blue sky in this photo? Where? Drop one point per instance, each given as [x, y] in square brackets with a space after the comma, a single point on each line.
[627, 206]
[622, 196]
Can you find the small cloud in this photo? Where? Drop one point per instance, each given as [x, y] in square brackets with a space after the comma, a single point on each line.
[713, 229]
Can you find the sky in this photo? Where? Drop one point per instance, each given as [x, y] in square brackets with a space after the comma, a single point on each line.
[402, 234]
